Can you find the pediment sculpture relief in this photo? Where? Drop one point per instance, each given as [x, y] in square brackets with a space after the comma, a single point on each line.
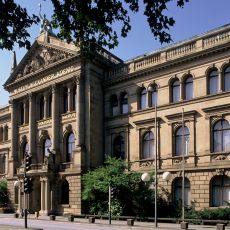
[42, 58]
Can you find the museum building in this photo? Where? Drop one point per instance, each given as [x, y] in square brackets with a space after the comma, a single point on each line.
[68, 112]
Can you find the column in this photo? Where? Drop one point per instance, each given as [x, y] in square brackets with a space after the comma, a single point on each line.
[55, 121]
[80, 111]
[32, 124]
[42, 195]
[14, 133]
[19, 197]
[181, 91]
[46, 203]
[220, 82]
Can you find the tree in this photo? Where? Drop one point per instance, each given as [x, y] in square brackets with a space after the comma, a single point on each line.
[3, 193]
[86, 22]
[130, 195]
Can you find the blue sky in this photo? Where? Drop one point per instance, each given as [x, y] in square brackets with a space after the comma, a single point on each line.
[197, 17]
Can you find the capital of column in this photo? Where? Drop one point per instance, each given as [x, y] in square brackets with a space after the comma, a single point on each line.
[54, 88]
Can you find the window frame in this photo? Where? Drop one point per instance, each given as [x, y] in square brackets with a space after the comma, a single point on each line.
[178, 141]
[175, 89]
[148, 142]
[213, 74]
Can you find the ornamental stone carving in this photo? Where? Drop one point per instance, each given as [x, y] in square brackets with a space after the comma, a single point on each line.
[43, 57]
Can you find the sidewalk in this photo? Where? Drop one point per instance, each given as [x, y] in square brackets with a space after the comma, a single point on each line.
[118, 223]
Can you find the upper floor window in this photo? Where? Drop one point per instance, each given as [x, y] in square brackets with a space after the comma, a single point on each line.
[148, 146]
[124, 103]
[25, 150]
[47, 147]
[42, 108]
[220, 186]
[152, 95]
[74, 97]
[213, 82]
[50, 105]
[65, 100]
[22, 116]
[119, 147]
[189, 88]
[181, 146]
[1, 134]
[143, 97]
[176, 91]
[221, 136]
[114, 105]
[227, 79]
[70, 147]
[5, 133]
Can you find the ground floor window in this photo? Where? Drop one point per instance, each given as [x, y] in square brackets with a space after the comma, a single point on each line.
[177, 188]
[220, 191]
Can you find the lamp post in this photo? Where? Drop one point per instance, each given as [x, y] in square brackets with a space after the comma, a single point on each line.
[144, 177]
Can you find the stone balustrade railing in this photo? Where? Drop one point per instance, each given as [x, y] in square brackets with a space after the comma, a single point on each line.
[200, 43]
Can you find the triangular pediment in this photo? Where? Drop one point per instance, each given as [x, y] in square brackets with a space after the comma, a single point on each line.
[40, 57]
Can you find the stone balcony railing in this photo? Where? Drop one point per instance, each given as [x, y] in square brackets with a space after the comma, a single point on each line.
[182, 49]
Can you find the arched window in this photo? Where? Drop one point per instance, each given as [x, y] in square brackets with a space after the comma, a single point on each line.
[6, 133]
[179, 141]
[143, 94]
[74, 97]
[177, 189]
[221, 136]
[153, 96]
[114, 105]
[119, 147]
[22, 114]
[50, 105]
[47, 147]
[1, 134]
[124, 103]
[176, 91]
[213, 82]
[220, 191]
[227, 79]
[65, 192]
[189, 88]
[148, 150]
[65, 100]
[70, 147]
[42, 108]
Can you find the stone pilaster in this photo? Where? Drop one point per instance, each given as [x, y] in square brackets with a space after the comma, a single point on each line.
[24, 112]
[13, 155]
[69, 98]
[220, 82]
[32, 124]
[42, 195]
[80, 112]
[55, 118]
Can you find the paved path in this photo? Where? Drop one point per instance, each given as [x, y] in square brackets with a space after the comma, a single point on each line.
[7, 222]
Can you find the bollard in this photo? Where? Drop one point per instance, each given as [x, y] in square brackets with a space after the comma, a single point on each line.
[130, 222]
[71, 218]
[220, 227]
[91, 219]
[184, 225]
[52, 217]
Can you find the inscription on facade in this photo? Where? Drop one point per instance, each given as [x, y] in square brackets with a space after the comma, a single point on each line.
[45, 79]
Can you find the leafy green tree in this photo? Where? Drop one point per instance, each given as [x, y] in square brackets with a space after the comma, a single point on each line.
[130, 195]
[3, 193]
[86, 22]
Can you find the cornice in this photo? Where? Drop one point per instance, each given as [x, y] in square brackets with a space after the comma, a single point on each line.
[168, 64]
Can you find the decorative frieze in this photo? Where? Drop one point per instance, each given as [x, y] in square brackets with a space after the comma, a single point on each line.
[45, 79]
[68, 116]
[44, 122]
